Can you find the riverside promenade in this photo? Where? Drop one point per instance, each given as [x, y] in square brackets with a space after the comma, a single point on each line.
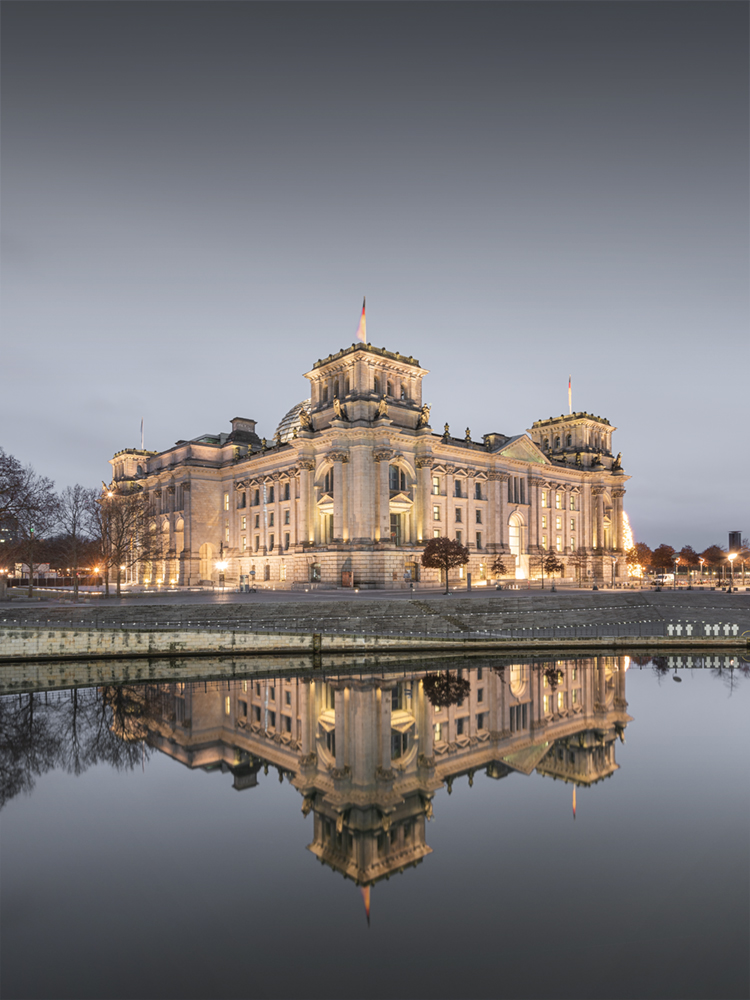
[283, 623]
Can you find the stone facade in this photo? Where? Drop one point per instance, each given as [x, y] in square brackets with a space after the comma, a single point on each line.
[355, 481]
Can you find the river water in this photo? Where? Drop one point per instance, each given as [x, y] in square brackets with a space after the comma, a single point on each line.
[576, 828]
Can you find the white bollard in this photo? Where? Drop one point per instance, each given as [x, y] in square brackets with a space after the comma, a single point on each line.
[688, 630]
[735, 629]
[678, 629]
[670, 629]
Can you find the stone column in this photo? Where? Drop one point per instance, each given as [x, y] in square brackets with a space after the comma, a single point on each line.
[186, 556]
[384, 511]
[423, 499]
[502, 511]
[598, 493]
[359, 507]
[534, 519]
[306, 468]
[338, 458]
[617, 540]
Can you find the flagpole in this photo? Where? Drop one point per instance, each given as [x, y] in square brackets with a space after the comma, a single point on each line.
[142, 447]
[570, 394]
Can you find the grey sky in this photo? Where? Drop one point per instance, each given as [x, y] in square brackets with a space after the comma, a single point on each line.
[197, 195]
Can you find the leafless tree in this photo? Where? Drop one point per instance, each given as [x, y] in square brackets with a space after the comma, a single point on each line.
[75, 520]
[129, 535]
[28, 501]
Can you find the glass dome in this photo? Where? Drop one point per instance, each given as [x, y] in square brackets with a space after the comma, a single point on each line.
[290, 421]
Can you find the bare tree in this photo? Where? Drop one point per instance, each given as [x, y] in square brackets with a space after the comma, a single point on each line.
[74, 519]
[129, 536]
[28, 501]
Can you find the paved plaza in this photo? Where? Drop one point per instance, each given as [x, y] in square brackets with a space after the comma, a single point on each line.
[425, 613]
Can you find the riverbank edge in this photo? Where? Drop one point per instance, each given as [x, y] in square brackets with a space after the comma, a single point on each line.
[40, 644]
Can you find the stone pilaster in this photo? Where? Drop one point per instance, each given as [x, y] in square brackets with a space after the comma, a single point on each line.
[338, 458]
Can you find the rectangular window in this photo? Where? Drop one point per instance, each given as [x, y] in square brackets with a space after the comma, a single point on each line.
[287, 540]
[572, 524]
[227, 705]
[480, 673]
[436, 533]
[243, 709]
[478, 515]
[270, 519]
[256, 498]
[244, 544]
[435, 513]
[477, 491]
[287, 516]
[257, 520]
[226, 501]
[572, 543]
[457, 487]
[282, 571]
[558, 500]
[480, 694]
[256, 713]
[436, 486]
[271, 492]
[272, 693]
[523, 491]
[271, 542]
[544, 520]
[226, 533]
[287, 724]
[548, 704]
[460, 542]
[241, 500]
[479, 539]
[271, 720]
[288, 697]
[559, 543]
[558, 523]
[458, 514]
[544, 498]
[257, 542]
[510, 489]
[480, 720]
[286, 492]
[576, 695]
[560, 701]
[459, 727]
[544, 541]
[244, 523]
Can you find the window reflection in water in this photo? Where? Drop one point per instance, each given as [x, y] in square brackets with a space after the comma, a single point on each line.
[367, 753]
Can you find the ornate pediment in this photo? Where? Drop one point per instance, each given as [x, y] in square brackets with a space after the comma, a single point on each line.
[523, 449]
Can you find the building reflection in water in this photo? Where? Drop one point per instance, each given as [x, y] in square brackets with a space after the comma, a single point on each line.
[368, 753]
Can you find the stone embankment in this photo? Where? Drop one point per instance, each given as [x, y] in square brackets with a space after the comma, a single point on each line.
[502, 621]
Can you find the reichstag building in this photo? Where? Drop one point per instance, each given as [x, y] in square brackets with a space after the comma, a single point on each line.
[356, 480]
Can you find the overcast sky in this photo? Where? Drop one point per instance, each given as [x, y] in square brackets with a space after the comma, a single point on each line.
[196, 196]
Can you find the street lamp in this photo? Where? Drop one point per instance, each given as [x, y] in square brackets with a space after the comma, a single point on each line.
[701, 561]
[221, 565]
[676, 564]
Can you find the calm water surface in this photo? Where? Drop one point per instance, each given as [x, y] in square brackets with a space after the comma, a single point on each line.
[226, 838]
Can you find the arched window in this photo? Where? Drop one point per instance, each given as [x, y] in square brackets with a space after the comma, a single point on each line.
[328, 482]
[396, 478]
[346, 386]
[324, 395]
[389, 388]
[546, 444]
[557, 443]
[569, 440]
[403, 393]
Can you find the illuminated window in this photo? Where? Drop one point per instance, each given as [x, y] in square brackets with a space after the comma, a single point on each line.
[244, 523]
[544, 541]
[559, 543]
[226, 533]
[548, 703]
[544, 498]
[572, 501]
[478, 515]
[558, 523]
[438, 731]
[435, 513]
[558, 500]
[226, 501]
[227, 705]
[436, 486]
[544, 520]
[460, 542]
[576, 696]
[572, 543]
[572, 524]
[458, 514]
[436, 533]
[244, 544]
[560, 700]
